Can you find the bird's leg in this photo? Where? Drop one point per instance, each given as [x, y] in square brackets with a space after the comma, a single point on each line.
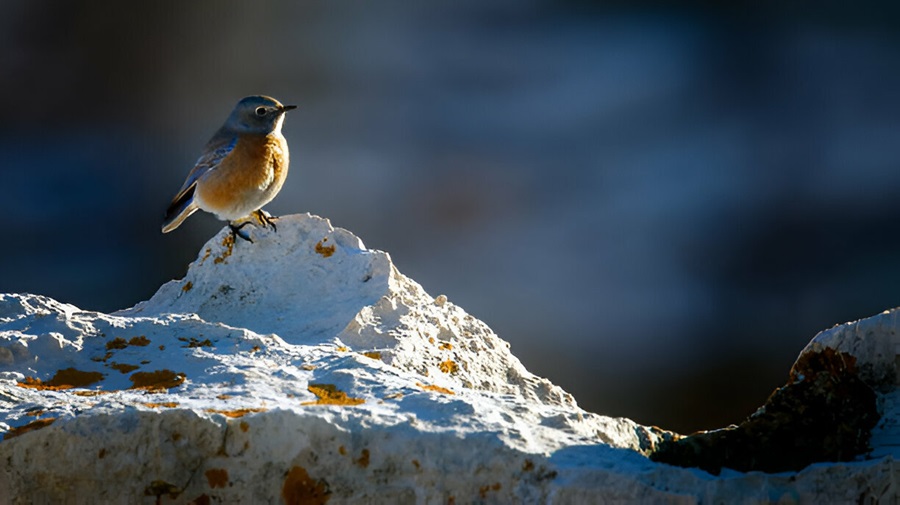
[236, 231]
[266, 219]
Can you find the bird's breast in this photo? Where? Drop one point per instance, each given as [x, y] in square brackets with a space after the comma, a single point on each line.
[249, 176]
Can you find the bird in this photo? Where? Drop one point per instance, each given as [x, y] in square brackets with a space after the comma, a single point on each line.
[242, 168]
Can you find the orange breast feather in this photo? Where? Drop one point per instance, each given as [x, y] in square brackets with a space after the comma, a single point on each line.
[247, 171]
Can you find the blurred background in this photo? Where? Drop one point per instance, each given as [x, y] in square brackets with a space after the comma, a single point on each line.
[658, 207]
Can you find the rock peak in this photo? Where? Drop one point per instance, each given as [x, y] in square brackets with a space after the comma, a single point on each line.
[304, 282]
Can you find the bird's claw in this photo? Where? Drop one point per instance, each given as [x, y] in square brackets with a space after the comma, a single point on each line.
[265, 219]
[237, 232]
[261, 216]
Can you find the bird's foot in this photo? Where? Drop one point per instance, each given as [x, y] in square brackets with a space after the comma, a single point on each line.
[266, 219]
[236, 231]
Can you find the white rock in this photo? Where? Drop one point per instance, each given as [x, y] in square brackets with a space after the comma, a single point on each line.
[428, 405]
[875, 343]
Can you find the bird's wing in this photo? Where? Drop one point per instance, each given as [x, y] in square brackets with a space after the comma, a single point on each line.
[183, 204]
[216, 150]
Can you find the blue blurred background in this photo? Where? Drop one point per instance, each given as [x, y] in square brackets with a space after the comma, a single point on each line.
[658, 207]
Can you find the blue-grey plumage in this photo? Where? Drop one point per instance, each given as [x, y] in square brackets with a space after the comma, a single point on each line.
[242, 167]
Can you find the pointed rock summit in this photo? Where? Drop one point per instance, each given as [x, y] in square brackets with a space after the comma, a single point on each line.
[305, 368]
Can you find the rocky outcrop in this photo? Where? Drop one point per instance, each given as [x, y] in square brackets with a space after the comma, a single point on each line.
[304, 368]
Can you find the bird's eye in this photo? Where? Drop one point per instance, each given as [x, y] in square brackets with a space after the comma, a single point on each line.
[261, 111]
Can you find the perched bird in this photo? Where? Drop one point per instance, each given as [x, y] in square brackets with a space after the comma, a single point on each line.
[242, 168]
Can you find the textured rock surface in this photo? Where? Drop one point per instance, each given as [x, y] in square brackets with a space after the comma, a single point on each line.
[826, 412]
[304, 368]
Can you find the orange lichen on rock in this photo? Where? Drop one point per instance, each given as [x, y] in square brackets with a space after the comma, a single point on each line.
[124, 367]
[363, 459]
[90, 393]
[203, 499]
[139, 341]
[235, 413]
[168, 405]
[187, 286]
[32, 426]
[193, 342]
[437, 389]
[116, 343]
[301, 489]
[325, 250]
[64, 379]
[449, 366]
[328, 394]
[157, 380]
[217, 477]
[445, 346]
[483, 490]
[121, 343]
[228, 244]
[372, 354]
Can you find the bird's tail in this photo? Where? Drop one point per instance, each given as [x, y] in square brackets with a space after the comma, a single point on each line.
[182, 207]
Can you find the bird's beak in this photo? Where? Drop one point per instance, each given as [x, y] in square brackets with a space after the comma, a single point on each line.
[285, 108]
